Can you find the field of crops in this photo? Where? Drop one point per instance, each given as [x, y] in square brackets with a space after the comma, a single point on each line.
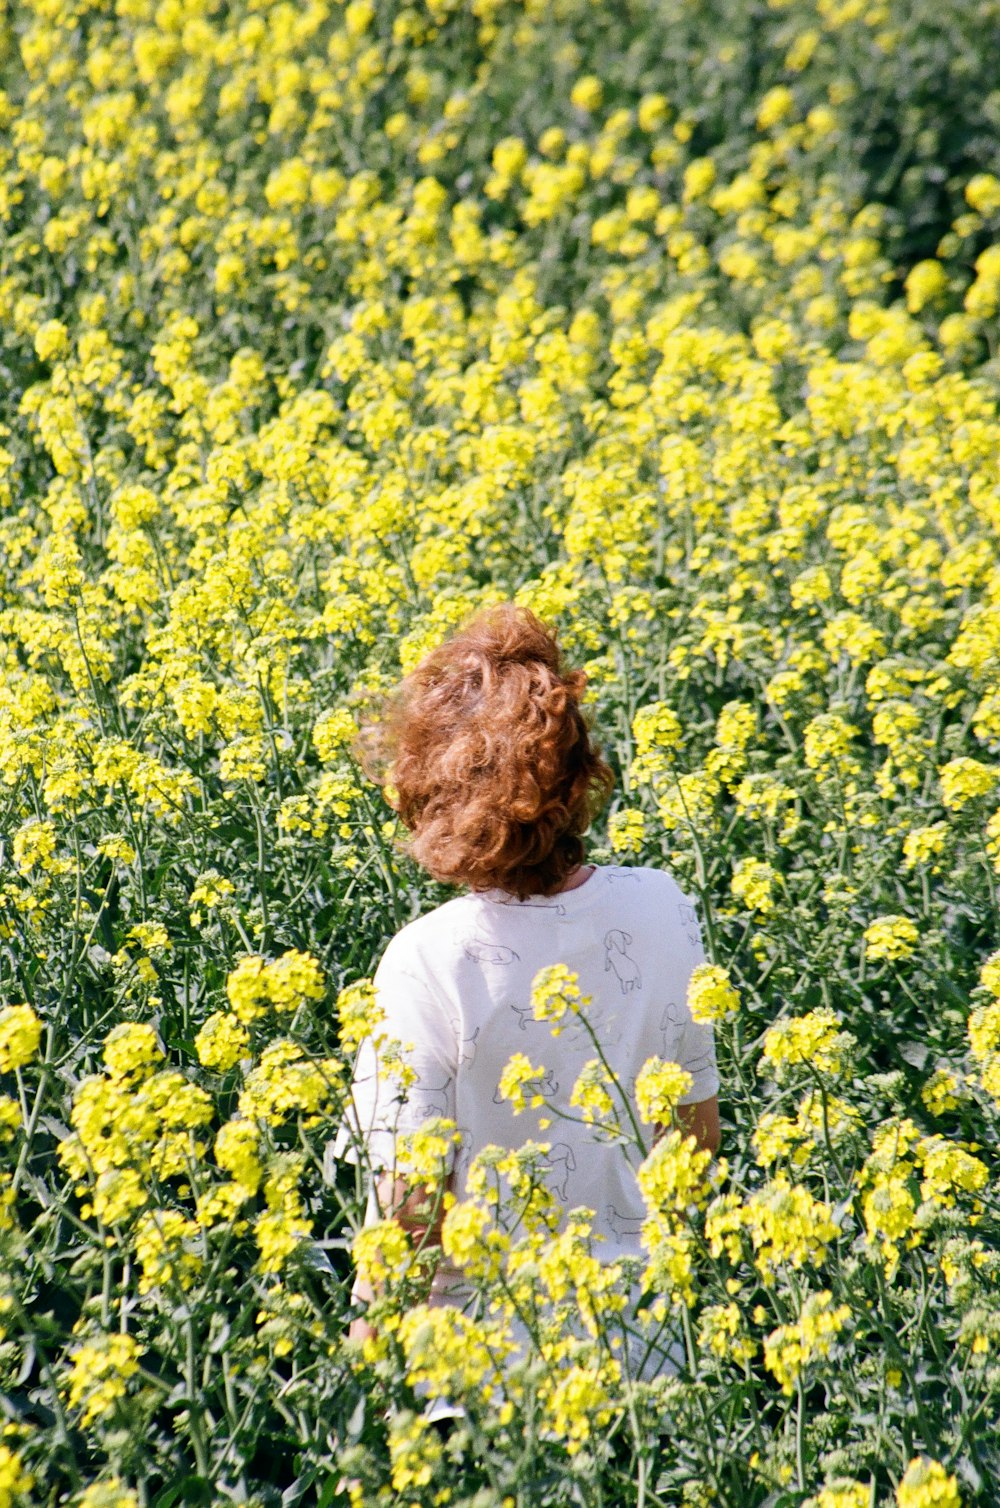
[322, 326]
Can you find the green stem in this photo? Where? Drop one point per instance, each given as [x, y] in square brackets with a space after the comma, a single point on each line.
[800, 1408]
[194, 1412]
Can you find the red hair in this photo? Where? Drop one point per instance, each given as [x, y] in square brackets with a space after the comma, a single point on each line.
[490, 755]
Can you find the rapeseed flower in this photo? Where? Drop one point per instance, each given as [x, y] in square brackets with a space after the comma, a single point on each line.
[555, 992]
[789, 1349]
[964, 780]
[20, 1035]
[787, 1226]
[98, 1375]
[926, 1484]
[815, 1039]
[841, 1492]
[891, 938]
[711, 996]
[659, 1085]
[221, 1042]
[15, 1481]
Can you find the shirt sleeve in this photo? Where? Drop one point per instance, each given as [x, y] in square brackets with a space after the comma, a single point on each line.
[418, 1032]
[695, 1043]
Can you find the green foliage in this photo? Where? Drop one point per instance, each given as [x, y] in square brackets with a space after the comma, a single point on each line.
[321, 327]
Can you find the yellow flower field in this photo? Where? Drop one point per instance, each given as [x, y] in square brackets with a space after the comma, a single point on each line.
[322, 326]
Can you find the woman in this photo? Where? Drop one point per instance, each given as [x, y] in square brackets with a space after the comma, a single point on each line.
[487, 757]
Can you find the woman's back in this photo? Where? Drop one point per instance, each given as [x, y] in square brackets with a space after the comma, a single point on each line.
[457, 984]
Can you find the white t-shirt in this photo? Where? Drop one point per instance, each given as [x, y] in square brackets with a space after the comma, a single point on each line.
[456, 984]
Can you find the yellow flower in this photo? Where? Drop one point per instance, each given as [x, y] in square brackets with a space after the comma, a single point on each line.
[509, 157]
[926, 1484]
[673, 1176]
[627, 831]
[699, 175]
[34, 843]
[814, 1039]
[657, 730]
[423, 1154]
[925, 282]
[358, 1013]
[20, 1035]
[110, 1492]
[221, 1042]
[922, 844]
[652, 111]
[582, 1401]
[15, 1481]
[891, 937]
[753, 884]
[591, 1095]
[787, 1226]
[789, 1349]
[841, 1492]
[471, 1240]
[286, 983]
[382, 1250]
[989, 974]
[450, 1352]
[237, 1151]
[587, 93]
[710, 994]
[948, 1167]
[520, 1083]
[827, 741]
[286, 1083]
[415, 1449]
[98, 1375]
[131, 1050]
[282, 1225]
[983, 192]
[942, 1092]
[776, 106]
[333, 732]
[555, 991]
[165, 1247]
[51, 339]
[659, 1086]
[722, 1330]
[802, 49]
[964, 780]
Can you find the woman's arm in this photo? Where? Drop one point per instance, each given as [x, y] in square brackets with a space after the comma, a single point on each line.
[411, 1207]
[419, 1210]
[700, 1120]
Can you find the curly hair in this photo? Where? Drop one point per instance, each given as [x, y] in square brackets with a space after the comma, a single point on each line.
[489, 758]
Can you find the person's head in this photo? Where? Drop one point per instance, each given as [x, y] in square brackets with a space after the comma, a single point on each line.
[490, 758]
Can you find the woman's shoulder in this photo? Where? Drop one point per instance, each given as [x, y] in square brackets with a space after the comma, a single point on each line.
[419, 938]
[653, 896]
[644, 877]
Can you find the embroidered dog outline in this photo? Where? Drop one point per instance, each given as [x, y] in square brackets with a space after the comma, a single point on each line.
[481, 950]
[559, 1164]
[623, 1225]
[468, 1047]
[557, 906]
[670, 1020]
[615, 957]
[430, 1099]
[689, 920]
